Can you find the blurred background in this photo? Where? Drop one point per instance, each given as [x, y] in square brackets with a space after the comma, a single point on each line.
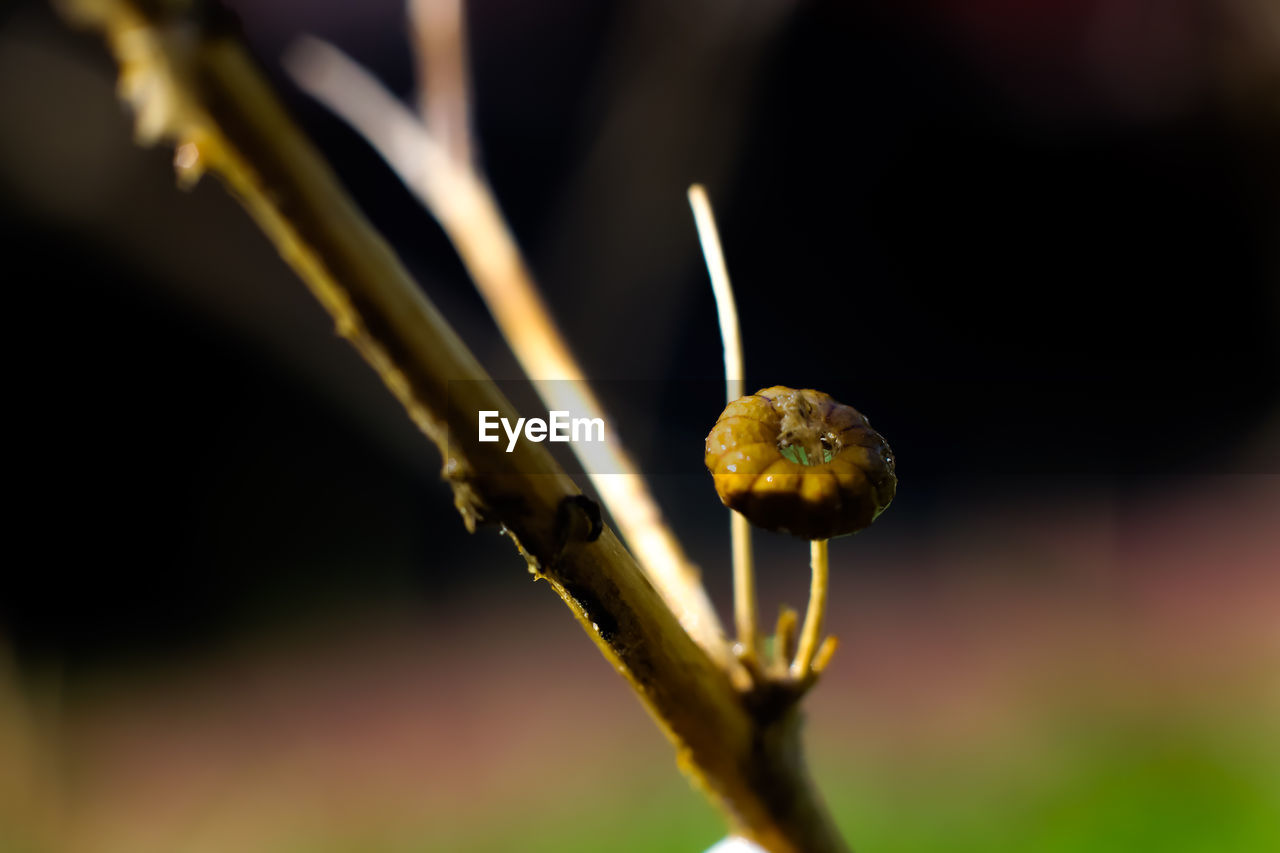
[1036, 243]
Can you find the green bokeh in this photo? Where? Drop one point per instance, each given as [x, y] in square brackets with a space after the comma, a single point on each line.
[1191, 787]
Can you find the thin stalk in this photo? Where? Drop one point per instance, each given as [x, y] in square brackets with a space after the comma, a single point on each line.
[816, 612]
[438, 36]
[744, 581]
[726, 305]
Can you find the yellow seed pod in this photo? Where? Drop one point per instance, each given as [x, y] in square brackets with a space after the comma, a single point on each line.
[799, 462]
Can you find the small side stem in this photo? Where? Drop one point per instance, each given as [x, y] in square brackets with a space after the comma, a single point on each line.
[813, 617]
[744, 584]
[726, 305]
[744, 581]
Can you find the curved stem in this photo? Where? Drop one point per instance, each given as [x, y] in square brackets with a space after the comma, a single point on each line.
[744, 580]
[813, 617]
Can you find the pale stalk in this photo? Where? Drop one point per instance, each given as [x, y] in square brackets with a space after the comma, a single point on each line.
[438, 30]
[744, 582]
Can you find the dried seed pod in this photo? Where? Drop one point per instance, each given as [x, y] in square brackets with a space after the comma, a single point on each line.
[799, 462]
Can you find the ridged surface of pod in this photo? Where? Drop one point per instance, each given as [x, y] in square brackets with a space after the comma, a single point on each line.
[799, 462]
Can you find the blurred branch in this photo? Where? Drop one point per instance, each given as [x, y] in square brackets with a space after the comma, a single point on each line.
[461, 200]
[440, 47]
[191, 81]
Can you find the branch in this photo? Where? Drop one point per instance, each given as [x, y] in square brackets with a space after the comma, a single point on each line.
[193, 83]
[462, 202]
[440, 47]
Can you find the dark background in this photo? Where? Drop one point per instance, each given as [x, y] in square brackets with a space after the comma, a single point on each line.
[1035, 243]
[1019, 267]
